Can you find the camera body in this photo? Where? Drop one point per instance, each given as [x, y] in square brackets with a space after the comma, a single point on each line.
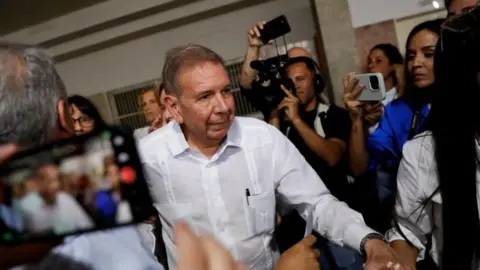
[271, 74]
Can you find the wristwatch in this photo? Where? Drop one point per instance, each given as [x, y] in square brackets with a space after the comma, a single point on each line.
[370, 236]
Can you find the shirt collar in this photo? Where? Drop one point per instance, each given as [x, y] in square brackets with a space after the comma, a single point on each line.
[179, 144]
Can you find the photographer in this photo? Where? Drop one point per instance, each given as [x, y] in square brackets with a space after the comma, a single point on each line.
[253, 53]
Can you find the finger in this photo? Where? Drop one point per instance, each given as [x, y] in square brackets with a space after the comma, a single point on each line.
[347, 79]
[357, 90]
[218, 257]
[260, 25]
[257, 32]
[251, 32]
[316, 252]
[308, 240]
[190, 252]
[7, 151]
[285, 90]
[377, 106]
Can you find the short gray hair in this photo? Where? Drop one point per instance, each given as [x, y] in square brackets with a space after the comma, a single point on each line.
[179, 58]
[30, 89]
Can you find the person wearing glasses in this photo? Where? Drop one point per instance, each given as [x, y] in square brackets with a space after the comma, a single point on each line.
[85, 116]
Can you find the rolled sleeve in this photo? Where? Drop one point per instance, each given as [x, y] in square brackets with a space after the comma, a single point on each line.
[300, 186]
[394, 235]
[413, 217]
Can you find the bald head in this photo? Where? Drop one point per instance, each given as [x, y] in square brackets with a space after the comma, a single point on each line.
[30, 89]
[298, 51]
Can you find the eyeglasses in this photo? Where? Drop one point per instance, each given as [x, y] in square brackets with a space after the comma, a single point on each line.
[83, 121]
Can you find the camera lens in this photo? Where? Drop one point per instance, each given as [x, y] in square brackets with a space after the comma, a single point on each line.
[374, 84]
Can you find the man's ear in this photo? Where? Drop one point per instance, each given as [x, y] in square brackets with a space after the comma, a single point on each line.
[65, 118]
[173, 107]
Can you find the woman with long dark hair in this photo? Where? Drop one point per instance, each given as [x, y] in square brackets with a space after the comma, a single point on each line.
[439, 177]
[377, 156]
[85, 115]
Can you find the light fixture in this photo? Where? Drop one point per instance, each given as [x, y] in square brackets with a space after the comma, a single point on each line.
[435, 4]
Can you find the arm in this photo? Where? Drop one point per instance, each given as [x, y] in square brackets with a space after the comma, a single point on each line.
[332, 218]
[331, 150]
[249, 74]
[357, 154]
[413, 218]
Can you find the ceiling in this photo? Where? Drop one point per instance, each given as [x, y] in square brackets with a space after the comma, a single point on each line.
[19, 14]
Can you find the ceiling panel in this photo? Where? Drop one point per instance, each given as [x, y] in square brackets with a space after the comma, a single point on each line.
[19, 14]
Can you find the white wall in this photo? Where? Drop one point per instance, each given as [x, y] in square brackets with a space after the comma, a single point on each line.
[141, 60]
[365, 12]
[404, 26]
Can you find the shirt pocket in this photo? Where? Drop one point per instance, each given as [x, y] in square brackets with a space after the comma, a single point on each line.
[261, 212]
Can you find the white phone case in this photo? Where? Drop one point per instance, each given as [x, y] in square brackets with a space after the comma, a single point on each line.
[371, 92]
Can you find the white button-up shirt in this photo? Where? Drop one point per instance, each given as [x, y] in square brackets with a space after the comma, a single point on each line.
[210, 194]
[113, 249]
[417, 180]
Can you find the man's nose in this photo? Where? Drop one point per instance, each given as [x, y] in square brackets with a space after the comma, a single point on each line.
[220, 104]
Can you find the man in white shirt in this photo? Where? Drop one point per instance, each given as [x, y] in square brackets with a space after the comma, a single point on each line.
[220, 173]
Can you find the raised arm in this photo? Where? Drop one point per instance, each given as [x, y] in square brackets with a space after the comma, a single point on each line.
[253, 52]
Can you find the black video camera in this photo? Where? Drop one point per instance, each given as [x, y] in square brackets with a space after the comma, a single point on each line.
[271, 74]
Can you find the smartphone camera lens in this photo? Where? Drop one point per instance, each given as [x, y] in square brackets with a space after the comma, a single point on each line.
[374, 83]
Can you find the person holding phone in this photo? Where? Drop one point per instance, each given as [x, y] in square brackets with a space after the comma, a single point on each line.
[387, 60]
[403, 118]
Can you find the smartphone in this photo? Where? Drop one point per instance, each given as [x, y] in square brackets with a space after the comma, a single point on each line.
[374, 87]
[85, 183]
[274, 29]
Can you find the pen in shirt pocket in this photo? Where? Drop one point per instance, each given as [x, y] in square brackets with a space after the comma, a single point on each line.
[247, 194]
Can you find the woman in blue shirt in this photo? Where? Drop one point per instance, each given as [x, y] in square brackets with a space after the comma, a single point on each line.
[401, 119]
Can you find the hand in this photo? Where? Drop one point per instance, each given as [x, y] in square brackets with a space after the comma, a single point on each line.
[351, 90]
[253, 35]
[156, 124]
[373, 113]
[381, 256]
[301, 256]
[202, 252]
[290, 105]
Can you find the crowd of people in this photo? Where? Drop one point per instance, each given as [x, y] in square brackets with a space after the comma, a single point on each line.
[382, 184]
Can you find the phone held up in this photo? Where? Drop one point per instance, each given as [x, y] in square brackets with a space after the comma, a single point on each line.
[274, 29]
[85, 183]
[374, 86]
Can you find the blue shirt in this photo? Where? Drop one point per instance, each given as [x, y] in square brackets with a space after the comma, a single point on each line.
[386, 143]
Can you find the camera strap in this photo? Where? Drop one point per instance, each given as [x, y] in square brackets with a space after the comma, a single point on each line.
[413, 125]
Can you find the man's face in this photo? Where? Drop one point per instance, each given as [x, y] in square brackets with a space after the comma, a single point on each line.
[49, 182]
[150, 106]
[205, 106]
[459, 6]
[302, 78]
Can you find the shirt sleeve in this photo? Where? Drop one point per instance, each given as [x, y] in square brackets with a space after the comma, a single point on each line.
[381, 141]
[301, 187]
[413, 217]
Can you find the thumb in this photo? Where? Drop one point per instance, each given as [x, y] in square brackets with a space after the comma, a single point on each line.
[6, 151]
[308, 240]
